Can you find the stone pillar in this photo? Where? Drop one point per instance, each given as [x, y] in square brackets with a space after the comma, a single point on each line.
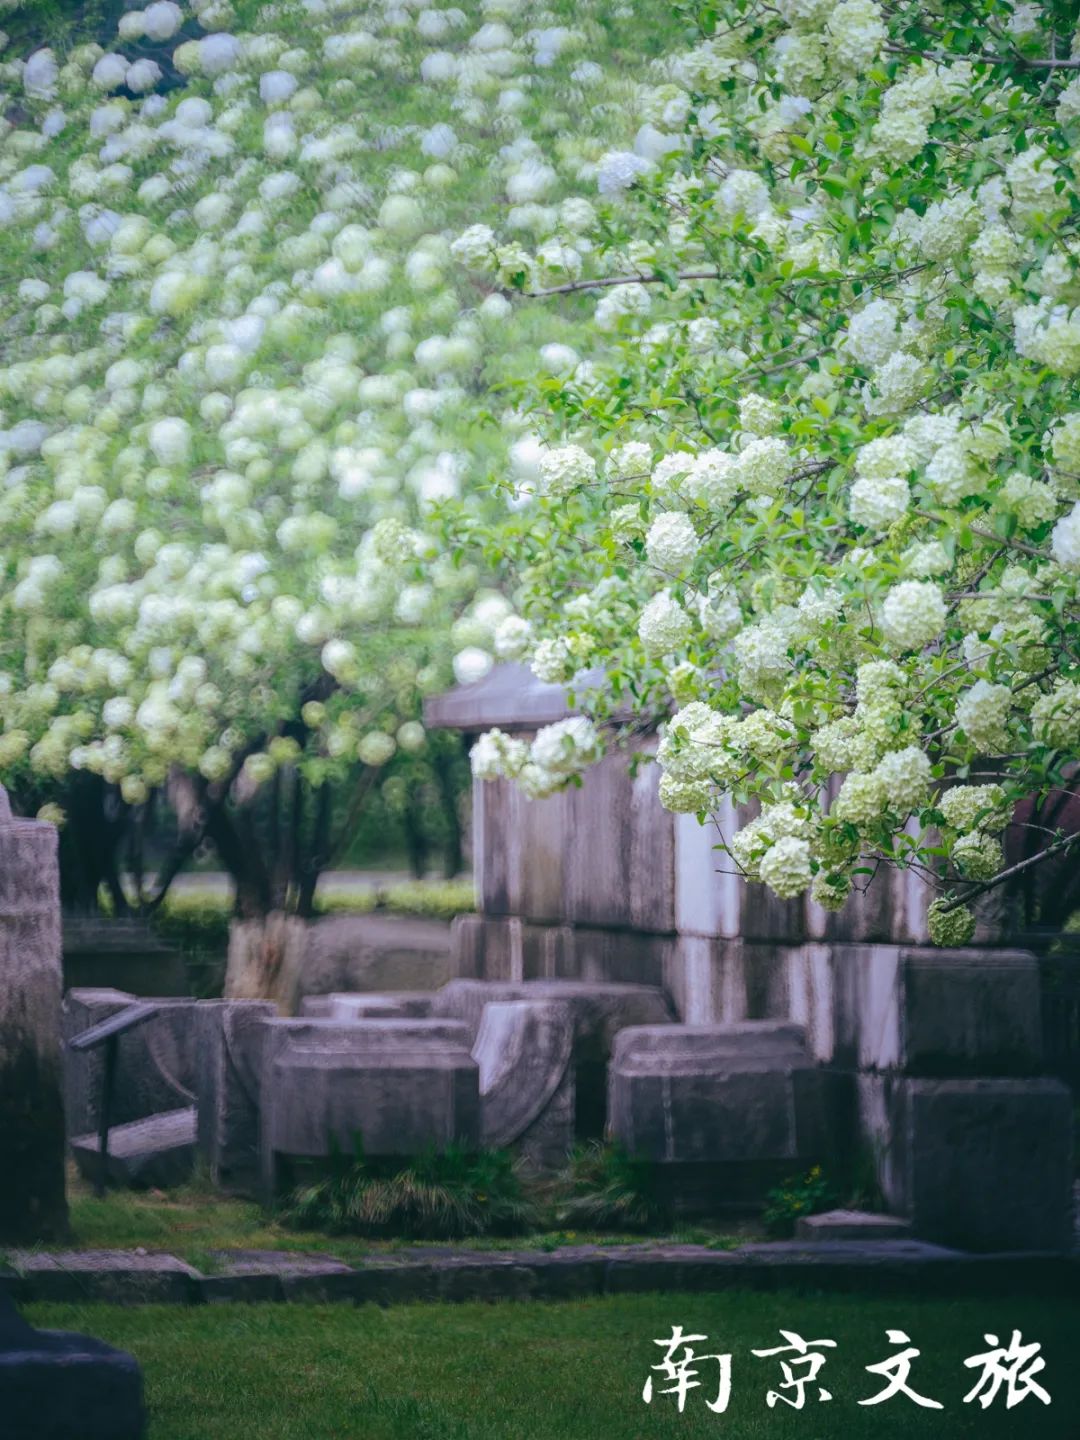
[971, 1141]
[32, 1201]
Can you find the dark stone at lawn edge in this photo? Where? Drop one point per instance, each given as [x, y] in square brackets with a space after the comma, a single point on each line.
[55, 1385]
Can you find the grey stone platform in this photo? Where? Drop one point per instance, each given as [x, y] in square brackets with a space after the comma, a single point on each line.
[902, 1267]
[158, 1151]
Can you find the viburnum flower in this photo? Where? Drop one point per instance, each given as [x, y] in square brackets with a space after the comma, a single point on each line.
[672, 542]
[563, 468]
[953, 927]
[913, 614]
[664, 625]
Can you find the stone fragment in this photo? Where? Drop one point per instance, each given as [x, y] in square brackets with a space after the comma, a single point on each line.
[229, 1041]
[158, 1151]
[397, 1087]
[156, 1065]
[851, 1225]
[524, 1050]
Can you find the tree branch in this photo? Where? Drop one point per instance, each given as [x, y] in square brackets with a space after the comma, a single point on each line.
[573, 286]
[999, 879]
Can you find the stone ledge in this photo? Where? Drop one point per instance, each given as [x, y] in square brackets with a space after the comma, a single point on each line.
[873, 1266]
[119, 1277]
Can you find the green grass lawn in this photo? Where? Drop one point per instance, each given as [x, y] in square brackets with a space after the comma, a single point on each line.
[569, 1371]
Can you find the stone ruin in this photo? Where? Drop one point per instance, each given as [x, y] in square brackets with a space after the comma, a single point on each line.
[613, 983]
[800, 1033]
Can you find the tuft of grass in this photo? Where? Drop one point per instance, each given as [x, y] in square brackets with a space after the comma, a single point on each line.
[605, 1188]
[447, 1194]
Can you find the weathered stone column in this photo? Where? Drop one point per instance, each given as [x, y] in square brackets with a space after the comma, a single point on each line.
[32, 1201]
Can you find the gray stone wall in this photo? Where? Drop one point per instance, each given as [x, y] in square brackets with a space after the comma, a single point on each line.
[32, 1202]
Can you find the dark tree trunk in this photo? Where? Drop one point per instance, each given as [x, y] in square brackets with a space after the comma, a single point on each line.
[416, 841]
[454, 848]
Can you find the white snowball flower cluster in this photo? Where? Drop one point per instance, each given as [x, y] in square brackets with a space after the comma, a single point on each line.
[913, 614]
[672, 542]
[983, 714]
[564, 468]
[664, 625]
[1065, 540]
[557, 753]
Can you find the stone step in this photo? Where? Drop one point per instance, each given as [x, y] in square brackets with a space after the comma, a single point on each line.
[158, 1151]
[852, 1225]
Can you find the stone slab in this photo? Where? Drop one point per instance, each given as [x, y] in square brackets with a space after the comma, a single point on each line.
[851, 1225]
[433, 1273]
[158, 1151]
[254, 1276]
[119, 1277]
[55, 1385]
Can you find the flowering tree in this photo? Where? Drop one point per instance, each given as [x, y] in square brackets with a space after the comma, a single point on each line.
[240, 375]
[815, 489]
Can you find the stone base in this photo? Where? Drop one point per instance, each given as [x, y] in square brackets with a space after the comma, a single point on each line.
[55, 1385]
[393, 1087]
[732, 1108]
[981, 1164]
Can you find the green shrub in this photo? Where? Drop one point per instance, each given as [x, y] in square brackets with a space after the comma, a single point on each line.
[809, 1194]
[429, 899]
[604, 1188]
[447, 1194]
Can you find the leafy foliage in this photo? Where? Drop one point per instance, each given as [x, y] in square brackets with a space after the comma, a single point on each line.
[809, 1194]
[815, 486]
[240, 376]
